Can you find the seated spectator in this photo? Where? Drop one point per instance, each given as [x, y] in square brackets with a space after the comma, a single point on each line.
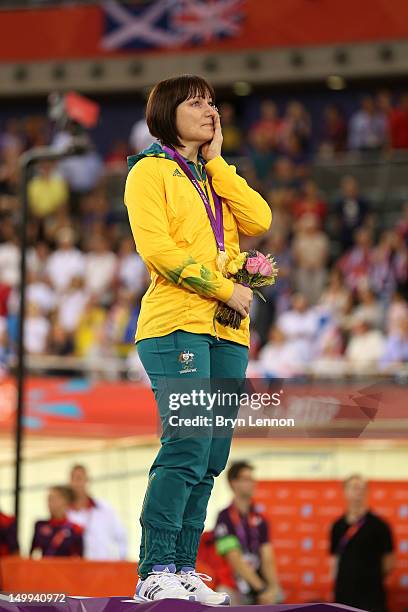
[364, 349]
[395, 352]
[334, 129]
[389, 265]
[104, 536]
[329, 361]
[310, 250]
[122, 322]
[131, 271]
[399, 124]
[335, 296]
[351, 210]
[397, 311]
[355, 263]
[368, 307]
[300, 325]
[100, 267]
[261, 155]
[9, 254]
[71, 304]
[232, 133]
[280, 357]
[296, 122]
[47, 191]
[268, 125]
[243, 540]
[281, 201]
[9, 169]
[90, 328]
[40, 292]
[284, 175]
[67, 258]
[8, 535]
[37, 330]
[310, 202]
[368, 128]
[57, 536]
[37, 259]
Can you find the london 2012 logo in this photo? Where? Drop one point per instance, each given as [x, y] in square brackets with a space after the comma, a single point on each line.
[186, 358]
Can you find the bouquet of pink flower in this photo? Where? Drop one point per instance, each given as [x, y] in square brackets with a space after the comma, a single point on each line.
[253, 270]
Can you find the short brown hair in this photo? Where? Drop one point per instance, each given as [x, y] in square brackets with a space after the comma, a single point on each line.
[236, 468]
[66, 492]
[164, 100]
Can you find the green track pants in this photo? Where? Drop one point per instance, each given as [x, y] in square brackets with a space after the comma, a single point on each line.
[182, 475]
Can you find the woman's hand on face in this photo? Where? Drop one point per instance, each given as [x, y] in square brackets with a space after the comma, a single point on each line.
[241, 299]
[212, 148]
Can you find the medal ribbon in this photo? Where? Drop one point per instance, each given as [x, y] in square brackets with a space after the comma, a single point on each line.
[350, 533]
[217, 221]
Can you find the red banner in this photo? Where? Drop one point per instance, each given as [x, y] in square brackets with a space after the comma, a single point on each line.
[301, 514]
[91, 31]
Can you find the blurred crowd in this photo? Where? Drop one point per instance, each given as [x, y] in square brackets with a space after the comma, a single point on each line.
[339, 305]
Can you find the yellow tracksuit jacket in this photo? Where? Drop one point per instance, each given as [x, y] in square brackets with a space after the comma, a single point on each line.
[174, 238]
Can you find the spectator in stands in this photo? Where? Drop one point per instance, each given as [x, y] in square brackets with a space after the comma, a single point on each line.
[399, 124]
[368, 128]
[104, 535]
[280, 357]
[284, 175]
[334, 130]
[351, 210]
[140, 137]
[268, 125]
[131, 272]
[47, 191]
[37, 330]
[395, 352]
[355, 263]
[362, 545]
[100, 267]
[296, 122]
[232, 133]
[310, 202]
[90, 330]
[364, 348]
[261, 155]
[389, 267]
[9, 253]
[71, 305]
[368, 307]
[8, 535]
[57, 536]
[300, 324]
[310, 249]
[335, 296]
[243, 539]
[67, 258]
[329, 361]
[122, 320]
[397, 311]
[40, 292]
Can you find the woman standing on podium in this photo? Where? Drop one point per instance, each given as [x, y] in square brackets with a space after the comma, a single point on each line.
[186, 206]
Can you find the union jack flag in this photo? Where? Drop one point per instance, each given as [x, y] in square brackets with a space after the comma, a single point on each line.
[170, 23]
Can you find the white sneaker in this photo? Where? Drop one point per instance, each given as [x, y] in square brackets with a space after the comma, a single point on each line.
[192, 581]
[161, 583]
